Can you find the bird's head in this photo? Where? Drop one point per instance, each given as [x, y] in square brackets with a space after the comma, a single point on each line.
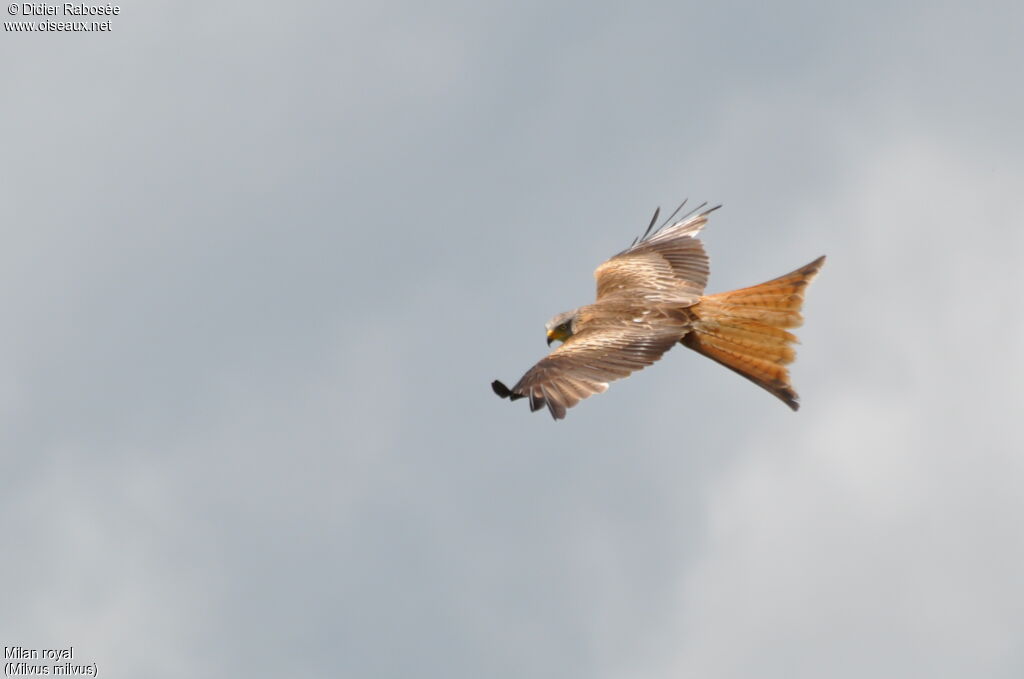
[561, 326]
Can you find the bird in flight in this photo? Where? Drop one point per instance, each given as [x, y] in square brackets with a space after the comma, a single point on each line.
[650, 297]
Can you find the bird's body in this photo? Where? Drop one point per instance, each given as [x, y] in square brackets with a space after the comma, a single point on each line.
[651, 296]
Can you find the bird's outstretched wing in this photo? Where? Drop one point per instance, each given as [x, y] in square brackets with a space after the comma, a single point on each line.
[666, 266]
[589, 360]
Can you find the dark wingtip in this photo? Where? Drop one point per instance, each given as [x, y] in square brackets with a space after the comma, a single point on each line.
[657, 211]
[501, 390]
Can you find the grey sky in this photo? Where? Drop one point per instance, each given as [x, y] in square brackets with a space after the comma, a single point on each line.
[259, 267]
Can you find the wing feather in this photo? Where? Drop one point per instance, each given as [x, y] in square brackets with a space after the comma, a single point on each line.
[638, 316]
[669, 266]
[589, 360]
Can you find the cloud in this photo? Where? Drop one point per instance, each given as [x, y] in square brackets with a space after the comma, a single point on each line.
[878, 538]
[260, 269]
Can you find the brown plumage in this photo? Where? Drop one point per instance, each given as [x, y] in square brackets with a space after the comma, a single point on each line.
[649, 297]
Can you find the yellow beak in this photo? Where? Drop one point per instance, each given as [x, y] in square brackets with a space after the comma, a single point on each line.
[555, 334]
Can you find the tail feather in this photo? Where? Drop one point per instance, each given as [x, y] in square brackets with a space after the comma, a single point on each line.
[744, 329]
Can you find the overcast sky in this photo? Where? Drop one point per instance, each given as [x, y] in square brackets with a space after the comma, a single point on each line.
[260, 263]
